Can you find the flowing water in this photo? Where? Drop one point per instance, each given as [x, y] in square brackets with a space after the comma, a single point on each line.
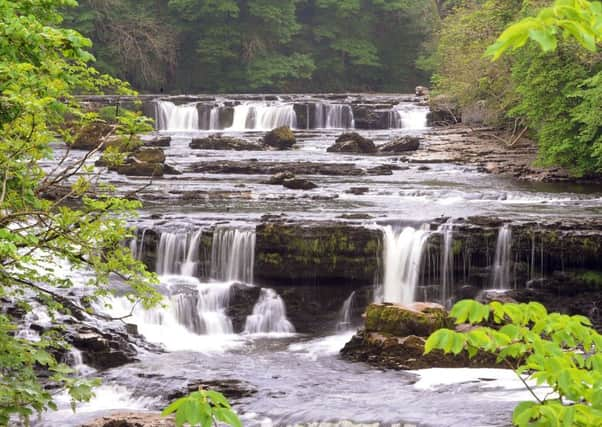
[299, 378]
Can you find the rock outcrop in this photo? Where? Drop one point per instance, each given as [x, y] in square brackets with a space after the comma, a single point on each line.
[394, 337]
[353, 143]
[91, 136]
[220, 142]
[400, 145]
[281, 138]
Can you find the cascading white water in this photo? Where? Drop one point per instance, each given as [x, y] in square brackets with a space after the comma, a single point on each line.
[137, 245]
[447, 261]
[233, 254]
[411, 118]
[261, 116]
[269, 315]
[344, 321]
[190, 267]
[214, 119]
[402, 256]
[192, 317]
[177, 117]
[501, 265]
[178, 253]
[333, 116]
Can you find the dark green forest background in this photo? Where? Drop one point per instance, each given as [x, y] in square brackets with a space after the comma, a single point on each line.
[260, 45]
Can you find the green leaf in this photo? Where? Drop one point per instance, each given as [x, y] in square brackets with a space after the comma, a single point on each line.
[227, 416]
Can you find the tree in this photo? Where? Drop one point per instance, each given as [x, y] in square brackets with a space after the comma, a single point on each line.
[49, 216]
[561, 351]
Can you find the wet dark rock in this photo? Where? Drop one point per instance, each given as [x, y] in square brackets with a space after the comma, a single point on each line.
[353, 143]
[253, 167]
[279, 178]
[369, 117]
[158, 141]
[358, 191]
[444, 112]
[324, 254]
[299, 184]
[400, 145]
[132, 419]
[281, 138]
[242, 300]
[170, 170]
[424, 168]
[357, 216]
[141, 169]
[233, 390]
[102, 349]
[220, 142]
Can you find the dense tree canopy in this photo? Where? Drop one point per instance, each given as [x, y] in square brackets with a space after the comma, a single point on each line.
[259, 45]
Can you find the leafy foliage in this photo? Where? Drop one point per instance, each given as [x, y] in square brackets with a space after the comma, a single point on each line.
[579, 19]
[51, 216]
[557, 350]
[203, 408]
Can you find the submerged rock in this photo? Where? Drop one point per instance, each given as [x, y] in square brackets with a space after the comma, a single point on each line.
[220, 142]
[299, 184]
[400, 145]
[353, 143]
[281, 138]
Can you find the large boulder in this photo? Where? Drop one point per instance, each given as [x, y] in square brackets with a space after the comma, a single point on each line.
[140, 169]
[281, 138]
[417, 319]
[220, 142]
[400, 145]
[353, 143]
[444, 112]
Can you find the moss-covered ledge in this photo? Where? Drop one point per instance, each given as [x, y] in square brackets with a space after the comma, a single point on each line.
[316, 254]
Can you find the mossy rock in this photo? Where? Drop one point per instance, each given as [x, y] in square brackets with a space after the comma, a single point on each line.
[149, 155]
[281, 138]
[91, 135]
[418, 319]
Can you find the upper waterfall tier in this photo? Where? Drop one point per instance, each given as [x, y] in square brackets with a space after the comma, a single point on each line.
[239, 113]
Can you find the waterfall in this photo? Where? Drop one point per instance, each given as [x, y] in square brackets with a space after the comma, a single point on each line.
[233, 254]
[447, 262]
[269, 315]
[261, 116]
[412, 118]
[178, 253]
[177, 117]
[344, 321]
[214, 119]
[137, 245]
[333, 116]
[75, 359]
[501, 264]
[402, 258]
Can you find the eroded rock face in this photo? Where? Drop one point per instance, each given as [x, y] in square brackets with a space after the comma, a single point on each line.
[353, 143]
[401, 145]
[103, 349]
[220, 142]
[304, 255]
[281, 138]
